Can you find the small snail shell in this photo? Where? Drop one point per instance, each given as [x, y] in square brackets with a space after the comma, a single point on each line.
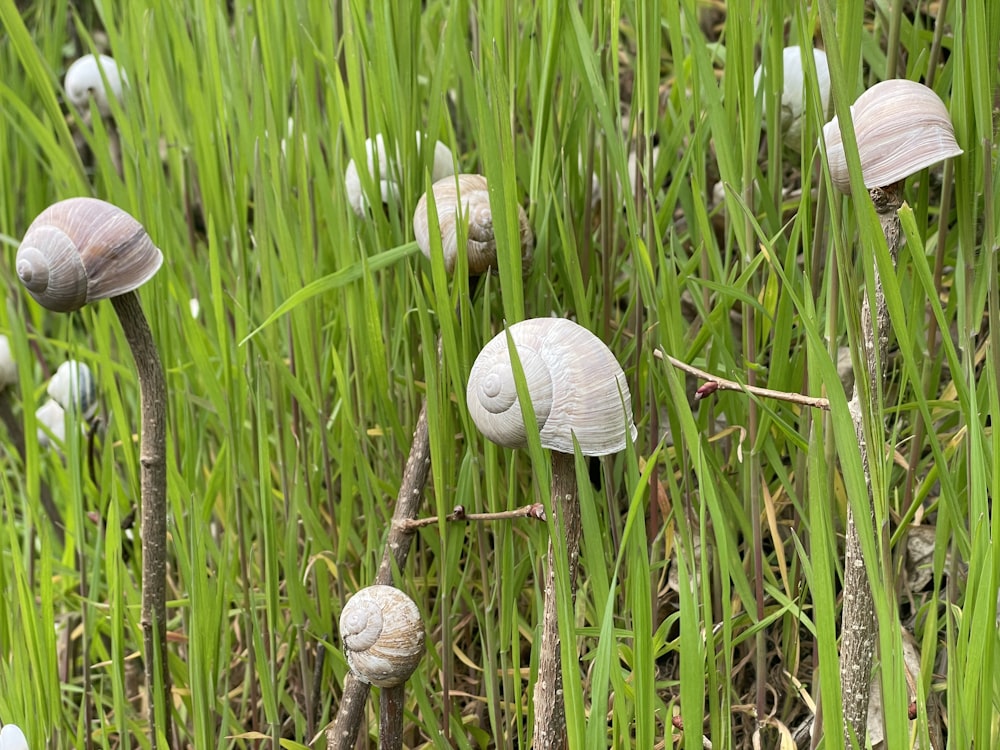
[388, 174]
[793, 106]
[73, 387]
[51, 418]
[901, 126]
[8, 367]
[81, 250]
[383, 635]
[83, 80]
[577, 388]
[466, 196]
[12, 738]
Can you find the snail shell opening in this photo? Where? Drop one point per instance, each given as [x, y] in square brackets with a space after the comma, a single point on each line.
[82, 250]
[576, 385]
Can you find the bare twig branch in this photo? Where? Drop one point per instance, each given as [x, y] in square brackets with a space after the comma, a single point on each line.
[715, 383]
[459, 514]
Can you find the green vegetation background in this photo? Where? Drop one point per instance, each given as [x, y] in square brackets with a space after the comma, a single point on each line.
[287, 446]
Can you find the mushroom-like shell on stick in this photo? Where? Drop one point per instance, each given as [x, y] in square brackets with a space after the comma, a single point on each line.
[81, 250]
[383, 635]
[576, 385]
[466, 197]
[389, 172]
[901, 126]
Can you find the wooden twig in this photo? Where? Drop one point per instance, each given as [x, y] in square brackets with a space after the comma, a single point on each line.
[459, 515]
[715, 383]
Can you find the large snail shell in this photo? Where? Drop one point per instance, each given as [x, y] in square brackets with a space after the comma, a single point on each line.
[82, 250]
[577, 388]
[383, 635]
[83, 80]
[901, 126]
[388, 174]
[466, 196]
[73, 387]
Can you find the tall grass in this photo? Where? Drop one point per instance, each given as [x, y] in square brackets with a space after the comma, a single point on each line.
[711, 561]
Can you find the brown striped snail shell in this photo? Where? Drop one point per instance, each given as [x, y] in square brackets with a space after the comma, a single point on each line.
[466, 196]
[901, 126]
[82, 250]
[383, 635]
[576, 385]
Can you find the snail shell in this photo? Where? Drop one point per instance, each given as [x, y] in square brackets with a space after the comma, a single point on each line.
[793, 104]
[466, 196]
[577, 388]
[81, 250]
[388, 174]
[51, 419]
[902, 127]
[83, 80]
[383, 635]
[73, 387]
[8, 367]
[12, 738]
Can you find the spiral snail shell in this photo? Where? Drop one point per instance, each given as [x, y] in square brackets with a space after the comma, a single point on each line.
[389, 172]
[577, 388]
[383, 635]
[901, 126]
[466, 196]
[81, 250]
[73, 387]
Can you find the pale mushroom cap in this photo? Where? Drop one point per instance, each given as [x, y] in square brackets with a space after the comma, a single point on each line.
[577, 389]
[793, 93]
[8, 367]
[83, 80]
[466, 197]
[389, 173]
[901, 126]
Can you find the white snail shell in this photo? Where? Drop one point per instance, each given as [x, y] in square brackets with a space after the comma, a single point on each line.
[12, 738]
[577, 388]
[793, 106]
[383, 635]
[73, 387]
[83, 80]
[51, 419]
[901, 126]
[389, 173]
[466, 196]
[81, 250]
[8, 367]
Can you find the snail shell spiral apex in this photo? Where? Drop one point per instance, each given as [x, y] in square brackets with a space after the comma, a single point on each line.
[576, 385]
[82, 250]
[383, 635]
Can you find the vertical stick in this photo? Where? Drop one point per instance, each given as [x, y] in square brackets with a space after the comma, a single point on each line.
[859, 629]
[550, 709]
[153, 492]
[390, 732]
